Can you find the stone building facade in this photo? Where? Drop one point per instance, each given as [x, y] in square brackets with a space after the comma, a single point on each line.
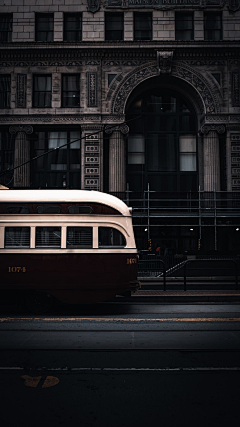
[142, 94]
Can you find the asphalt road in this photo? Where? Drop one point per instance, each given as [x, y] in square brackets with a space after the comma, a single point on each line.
[121, 365]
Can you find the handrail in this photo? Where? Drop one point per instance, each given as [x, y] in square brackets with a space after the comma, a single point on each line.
[209, 260]
[164, 268]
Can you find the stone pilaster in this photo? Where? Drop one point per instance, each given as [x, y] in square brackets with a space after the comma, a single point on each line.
[21, 155]
[212, 175]
[117, 158]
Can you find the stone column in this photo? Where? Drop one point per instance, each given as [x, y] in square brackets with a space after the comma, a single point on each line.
[212, 157]
[21, 155]
[117, 158]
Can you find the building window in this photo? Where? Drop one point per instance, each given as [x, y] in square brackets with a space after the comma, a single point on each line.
[72, 27]
[5, 91]
[142, 26]
[61, 167]
[42, 91]
[6, 157]
[44, 27]
[5, 27]
[114, 26]
[213, 26]
[71, 90]
[184, 26]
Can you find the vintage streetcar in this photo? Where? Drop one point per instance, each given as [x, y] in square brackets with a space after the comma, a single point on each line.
[74, 246]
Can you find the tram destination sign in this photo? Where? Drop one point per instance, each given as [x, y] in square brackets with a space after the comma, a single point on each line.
[156, 3]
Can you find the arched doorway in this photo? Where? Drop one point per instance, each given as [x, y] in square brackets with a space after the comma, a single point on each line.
[162, 142]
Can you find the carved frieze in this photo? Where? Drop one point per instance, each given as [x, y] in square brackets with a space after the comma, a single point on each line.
[92, 89]
[21, 90]
[236, 88]
[189, 75]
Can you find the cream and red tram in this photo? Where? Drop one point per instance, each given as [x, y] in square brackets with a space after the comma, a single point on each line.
[76, 246]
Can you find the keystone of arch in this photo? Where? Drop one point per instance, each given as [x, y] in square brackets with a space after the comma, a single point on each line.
[182, 72]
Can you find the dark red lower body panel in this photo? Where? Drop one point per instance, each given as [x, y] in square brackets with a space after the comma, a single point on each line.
[72, 278]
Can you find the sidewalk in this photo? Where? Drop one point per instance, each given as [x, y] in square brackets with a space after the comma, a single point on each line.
[184, 296]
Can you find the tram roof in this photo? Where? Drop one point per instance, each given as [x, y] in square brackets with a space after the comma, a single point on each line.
[63, 196]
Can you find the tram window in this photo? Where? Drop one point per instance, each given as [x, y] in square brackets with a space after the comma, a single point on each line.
[48, 237]
[17, 237]
[82, 210]
[108, 236]
[18, 210]
[48, 209]
[79, 237]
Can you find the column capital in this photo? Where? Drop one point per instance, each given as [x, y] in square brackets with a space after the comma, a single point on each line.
[28, 129]
[123, 128]
[219, 128]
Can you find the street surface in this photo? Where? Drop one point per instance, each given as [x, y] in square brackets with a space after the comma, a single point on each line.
[121, 364]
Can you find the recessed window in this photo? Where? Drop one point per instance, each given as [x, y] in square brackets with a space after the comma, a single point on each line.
[5, 27]
[18, 210]
[71, 90]
[110, 237]
[48, 210]
[79, 237]
[42, 91]
[48, 237]
[44, 27]
[114, 26]
[5, 91]
[72, 27]
[80, 210]
[184, 26]
[17, 237]
[213, 26]
[61, 167]
[142, 26]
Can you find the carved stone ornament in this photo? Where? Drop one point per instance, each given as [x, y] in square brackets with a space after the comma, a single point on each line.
[164, 61]
[93, 5]
[28, 129]
[205, 129]
[123, 128]
[233, 5]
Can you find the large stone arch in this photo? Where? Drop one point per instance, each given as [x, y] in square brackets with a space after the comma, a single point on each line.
[206, 97]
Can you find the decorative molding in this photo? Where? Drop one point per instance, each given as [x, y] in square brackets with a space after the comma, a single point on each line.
[236, 88]
[233, 5]
[21, 90]
[46, 118]
[164, 61]
[220, 129]
[123, 128]
[208, 94]
[92, 89]
[161, 4]
[93, 5]
[28, 129]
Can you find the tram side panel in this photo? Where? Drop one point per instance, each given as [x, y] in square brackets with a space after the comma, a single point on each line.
[70, 277]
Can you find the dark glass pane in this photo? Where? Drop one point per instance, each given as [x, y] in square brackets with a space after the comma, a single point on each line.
[114, 26]
[142, 26]
[48, 209]
[187, 123]
[79, 237]
[48, 237]
[184, 26]
[44, 27]
[163, 182]
[72, 27]
[161, 152]
[71, 91]
[18, 210]
[17, 237]
[5, 91]
[5, 27]
[108, 236]
[188, 182]
[82, 210]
